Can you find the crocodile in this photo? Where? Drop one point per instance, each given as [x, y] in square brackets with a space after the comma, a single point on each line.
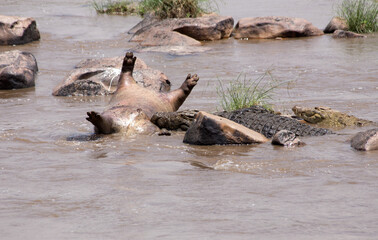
[329, 118]
[256, 118]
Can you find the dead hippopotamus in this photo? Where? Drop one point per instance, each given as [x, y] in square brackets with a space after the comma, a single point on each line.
[132, 105]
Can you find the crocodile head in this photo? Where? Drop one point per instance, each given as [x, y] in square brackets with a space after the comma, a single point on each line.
[327, 117]
[311, 115]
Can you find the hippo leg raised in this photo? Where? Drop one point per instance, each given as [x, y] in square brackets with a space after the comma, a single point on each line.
[178, 96]
[101, 124]
[132, 105]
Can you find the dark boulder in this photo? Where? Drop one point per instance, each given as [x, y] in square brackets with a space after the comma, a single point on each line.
[17, 30]
[274, 27]
[336, 23]
[208, 129]
[17, 70]
[366, 141]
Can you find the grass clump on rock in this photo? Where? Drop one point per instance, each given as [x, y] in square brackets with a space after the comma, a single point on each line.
[118, 7]
[160, 8]
[175, 8]
[244, 92]
[360, 15]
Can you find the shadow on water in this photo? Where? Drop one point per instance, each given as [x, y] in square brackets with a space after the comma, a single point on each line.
[84, 137]
[17, 93]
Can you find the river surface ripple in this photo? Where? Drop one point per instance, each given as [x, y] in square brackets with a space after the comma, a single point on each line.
[56, 182]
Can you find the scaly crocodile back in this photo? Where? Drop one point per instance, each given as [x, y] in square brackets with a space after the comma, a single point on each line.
[263, 121]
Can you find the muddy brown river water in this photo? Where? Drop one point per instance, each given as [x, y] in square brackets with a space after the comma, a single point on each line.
[54, 184]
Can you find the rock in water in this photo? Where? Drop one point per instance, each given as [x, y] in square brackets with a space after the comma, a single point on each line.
[286, 138]
[273, 27]
[336, 23]
[208, 129]
[366, 141]
[180, 36]
[17, 70]
[17, 30]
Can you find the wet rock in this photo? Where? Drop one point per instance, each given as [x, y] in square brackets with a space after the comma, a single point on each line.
[203, 28]
[180, 120]
[346, 34]
[181, 36]
[366, 141]
[207, 28]
[100, 77]
[17, 69]
[112, 62]
[273, 27]
[168, 38]
[286, 138]
[17, 30]
[208, 129]
[147, 20]
[336, 23]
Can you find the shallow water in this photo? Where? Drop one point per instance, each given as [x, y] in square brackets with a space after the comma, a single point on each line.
[56, 182]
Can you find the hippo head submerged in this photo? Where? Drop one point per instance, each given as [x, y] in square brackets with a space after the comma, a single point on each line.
[132, 105]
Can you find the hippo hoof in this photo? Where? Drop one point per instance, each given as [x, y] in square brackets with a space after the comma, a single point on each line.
[94, 117]
[191, 81]
[128, 62]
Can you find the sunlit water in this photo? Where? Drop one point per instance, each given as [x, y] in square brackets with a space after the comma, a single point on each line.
[57, 182]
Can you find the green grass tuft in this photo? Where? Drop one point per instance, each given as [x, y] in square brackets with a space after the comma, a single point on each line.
[118, 7]
[161, 8]
[176, 8]
[244, 92]
[360, 15]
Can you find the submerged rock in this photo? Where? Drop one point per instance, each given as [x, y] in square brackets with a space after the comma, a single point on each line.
[208, 129]
[346, 34]
[365, 141]
[17, 69]
[274, 27]
[206, 28]
[93, 77]
[286, 138]
[336, 23]
[17, 30]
